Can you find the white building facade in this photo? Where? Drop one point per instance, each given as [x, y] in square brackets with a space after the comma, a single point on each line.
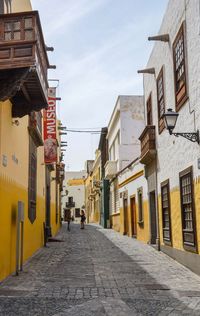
[124, 128]
[73, 196]
[172, 163]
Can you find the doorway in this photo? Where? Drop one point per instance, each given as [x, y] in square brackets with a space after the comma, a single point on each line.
[133, 217]
[153, 221]
[125, 208]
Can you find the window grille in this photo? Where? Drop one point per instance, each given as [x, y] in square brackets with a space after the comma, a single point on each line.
[149, 111]
[165, 200]
[187, 207]
[161, 101]
[179, 58]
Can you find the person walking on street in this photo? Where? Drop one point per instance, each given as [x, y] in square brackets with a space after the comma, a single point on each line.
[83, 218]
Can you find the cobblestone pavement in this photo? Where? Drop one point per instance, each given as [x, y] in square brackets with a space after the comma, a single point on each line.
[99, 272]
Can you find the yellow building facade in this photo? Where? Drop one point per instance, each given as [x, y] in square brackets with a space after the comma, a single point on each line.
[15, 182]
[93, 191]
[88, 199]
[133, 216]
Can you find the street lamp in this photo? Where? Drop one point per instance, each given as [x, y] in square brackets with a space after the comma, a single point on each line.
[170, 118]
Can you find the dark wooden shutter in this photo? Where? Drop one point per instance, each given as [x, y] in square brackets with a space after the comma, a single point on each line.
[32, 181]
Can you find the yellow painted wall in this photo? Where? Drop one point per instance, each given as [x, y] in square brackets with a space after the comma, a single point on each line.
[116, 221]
[142, 230]
[87, 201]
[54, 225]
[197, 209]
[95, 216]
[74, 182]
[176, 224]
[21, 5]
[14, 148]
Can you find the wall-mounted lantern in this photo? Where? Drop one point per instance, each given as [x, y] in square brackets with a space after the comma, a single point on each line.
[170, 118]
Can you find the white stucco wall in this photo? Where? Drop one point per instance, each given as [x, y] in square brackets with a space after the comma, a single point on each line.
[124, 129]
[176, 154]
[76, 191]
[132, 125]
[125, 126]
[132, 186]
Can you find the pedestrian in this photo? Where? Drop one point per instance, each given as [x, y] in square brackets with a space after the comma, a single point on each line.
[68, 217]
[83, 218]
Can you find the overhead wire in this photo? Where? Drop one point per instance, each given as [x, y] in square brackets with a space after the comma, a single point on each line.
[83, 131]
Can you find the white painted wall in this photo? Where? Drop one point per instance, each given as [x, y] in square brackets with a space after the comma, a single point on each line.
[125, 126]
[76, 191]
[176, 154]
[134, 185]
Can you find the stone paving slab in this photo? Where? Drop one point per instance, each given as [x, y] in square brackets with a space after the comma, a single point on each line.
[100, 272]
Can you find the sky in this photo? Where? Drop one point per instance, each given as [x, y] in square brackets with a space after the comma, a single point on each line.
[98, 47]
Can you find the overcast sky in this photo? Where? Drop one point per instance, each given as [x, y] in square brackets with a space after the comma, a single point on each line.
[99, 46]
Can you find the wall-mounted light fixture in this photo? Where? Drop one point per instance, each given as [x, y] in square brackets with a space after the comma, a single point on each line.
[170, 118]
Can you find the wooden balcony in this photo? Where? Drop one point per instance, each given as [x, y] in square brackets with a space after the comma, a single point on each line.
[148, 145]
[23, 62]
[35, 128]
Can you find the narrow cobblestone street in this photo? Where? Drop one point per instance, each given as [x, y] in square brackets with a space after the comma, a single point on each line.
[99, 272]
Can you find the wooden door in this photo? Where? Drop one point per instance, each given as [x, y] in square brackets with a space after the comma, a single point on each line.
[125, 207]
[153, 217]
[133, 217]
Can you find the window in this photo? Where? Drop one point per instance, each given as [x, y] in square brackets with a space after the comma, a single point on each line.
[161, 101]
[140, 206]
[77, 212]
[70, 199]
[12, 30]
[21, 29]
[187, 208]
[149, 111]
[28, 28]
[179, 58]
[32, 180]
[166, 219]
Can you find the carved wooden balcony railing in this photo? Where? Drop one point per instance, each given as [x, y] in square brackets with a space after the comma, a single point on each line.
[23, 62]
[148, 144]
[35, 128]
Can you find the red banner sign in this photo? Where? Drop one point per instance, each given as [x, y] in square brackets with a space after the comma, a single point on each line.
[50, 142]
